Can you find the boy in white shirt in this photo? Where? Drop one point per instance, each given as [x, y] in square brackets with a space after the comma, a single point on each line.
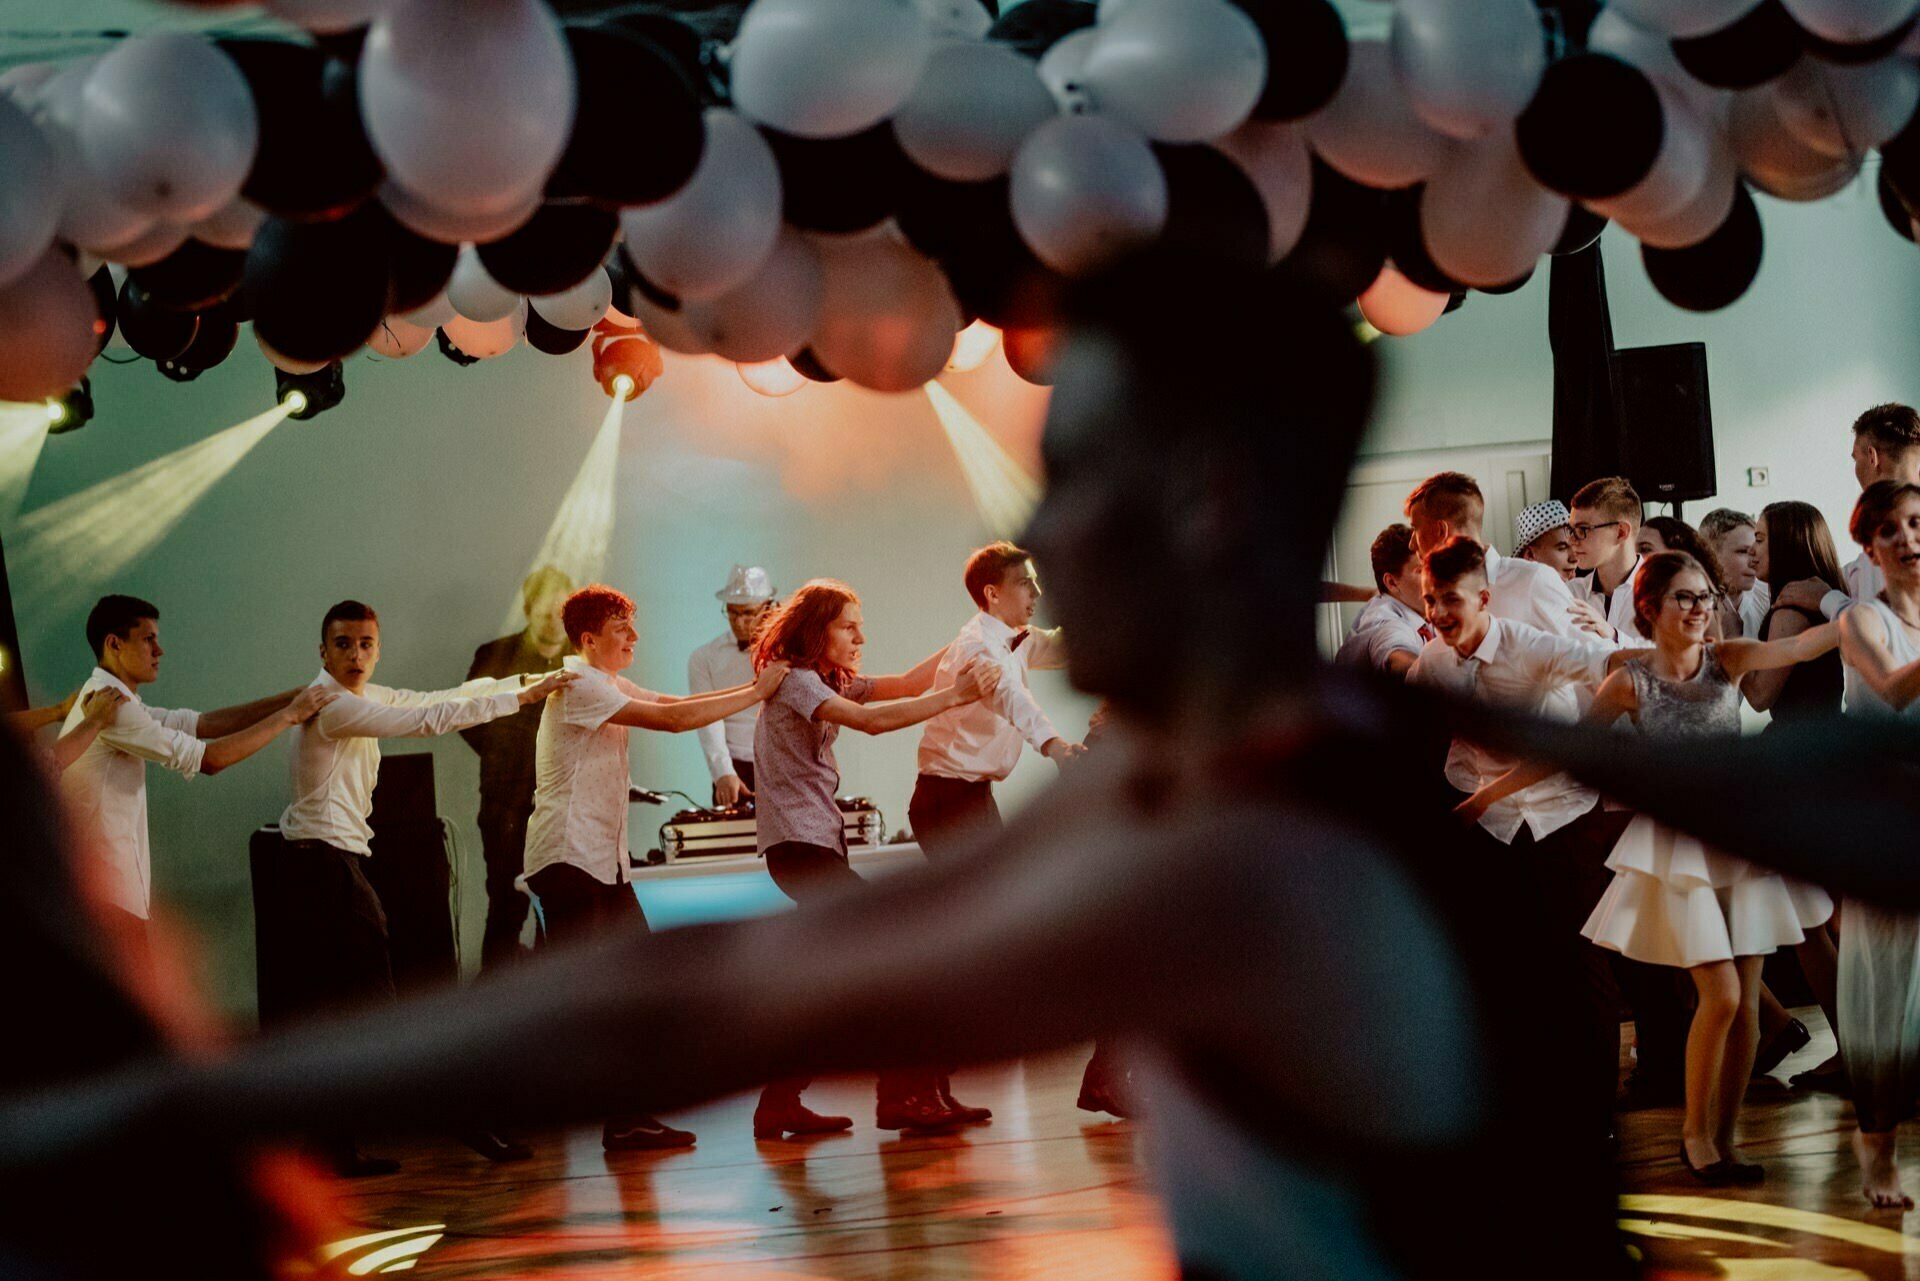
[1606, 515]
[1390, 631]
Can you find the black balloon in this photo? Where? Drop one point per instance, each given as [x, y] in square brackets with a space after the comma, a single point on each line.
[1034, 26]
[543, 335]
[560, 246]
[1715, 272]
[1583, 228]
[810, 368]
[938, 216]
[1456, 301]
[1407, 244]
[1900, 162]
[624, 274]
[968, 228]
[1213, 208]
[1594, 127]
[682, 44]
[154, 332]
[212, 343]
[840, 184]
[192, 278]
[637, 127]
[106, 306]
[1898, 215]
[421, 267]
[1512, 286]
[1344, 244]
[1306, 55]
[1856, 54]
[318, 289]
[314, 160]
[1746, 53]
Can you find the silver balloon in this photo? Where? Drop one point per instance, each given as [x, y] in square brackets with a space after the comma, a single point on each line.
[468, 102]
[432, 314]
[956, 19]
[167, 123]
[1177, 70]
[679, 330]
[579, 307]
[24, 81]
[1681, 19]
[1086, 190]
[1679, 170]
[826, 68]
[47, 314]
[1276, 158]
[1843, 111]
[1652, 53]
[975, 104]
[1701, 216]
[1774, 160]
[424, 219]
[772, 314]
[1850, 21]
[887, 318]
[1369, 132]
[154, 243]
[90, 216]
[29, 195]
[232, 226]
[1469, 67]
[1484, 219]
[1063, 70]
[715, 232]
[476, 295]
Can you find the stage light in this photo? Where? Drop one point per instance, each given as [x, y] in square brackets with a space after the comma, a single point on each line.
[304, 395]
[622, 387]
[625, 361]
[582, 528]
[72, 411]
[1003, 491]
[68, 550]
[56, 412]
[774, 377]
[972, 346]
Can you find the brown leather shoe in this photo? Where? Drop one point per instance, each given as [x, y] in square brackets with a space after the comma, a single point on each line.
[771, 1123]
[962, 1114]
[642, 1134]
[911, 1101]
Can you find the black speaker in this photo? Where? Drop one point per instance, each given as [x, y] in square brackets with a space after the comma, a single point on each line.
[1666, 421]
[411, 871]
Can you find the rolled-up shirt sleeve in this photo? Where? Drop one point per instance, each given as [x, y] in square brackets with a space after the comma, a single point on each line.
[165, 737]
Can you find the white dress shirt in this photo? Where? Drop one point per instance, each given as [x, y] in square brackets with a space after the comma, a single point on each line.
[106, 788]
[1864, 582]
[1618, 607]
[1385, 626]
[580, 776]
[981, 741]
[722, 664]
[336, 755]
[1519, 667]
[1753, 607]
[1525, 591]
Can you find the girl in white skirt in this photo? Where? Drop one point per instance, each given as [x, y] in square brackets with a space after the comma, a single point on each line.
[1879, 1004]
[1673, 900]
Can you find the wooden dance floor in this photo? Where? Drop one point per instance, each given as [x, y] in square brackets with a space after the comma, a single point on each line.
[1043, 1191]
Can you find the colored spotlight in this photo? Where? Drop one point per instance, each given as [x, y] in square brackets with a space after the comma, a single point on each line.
[24, 429]
[774, 377]
[582, 528]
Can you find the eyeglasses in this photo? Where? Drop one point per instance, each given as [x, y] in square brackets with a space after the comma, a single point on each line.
[1580, 532]
[1691, 600]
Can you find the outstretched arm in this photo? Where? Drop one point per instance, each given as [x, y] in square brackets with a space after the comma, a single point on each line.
[671, 714]
[229, 720]
[912, 683]
[1742, 656]
[1864, 644]
[978, 679]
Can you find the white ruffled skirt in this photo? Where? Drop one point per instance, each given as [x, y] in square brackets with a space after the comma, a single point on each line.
[1879, 1013]
[1675, 901]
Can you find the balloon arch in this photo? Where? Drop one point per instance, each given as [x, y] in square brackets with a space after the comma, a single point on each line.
[846, 185]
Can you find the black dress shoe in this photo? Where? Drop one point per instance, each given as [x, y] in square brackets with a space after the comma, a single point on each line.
[643, 1134]
[1745, 1172]
[1788, 1040]
[962, 1114]
[1717, 1175]
[495, 1147]
[914, 1112]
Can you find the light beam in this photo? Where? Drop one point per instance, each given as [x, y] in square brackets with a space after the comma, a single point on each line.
[582, 529]
[23, 433]
[1003, 491]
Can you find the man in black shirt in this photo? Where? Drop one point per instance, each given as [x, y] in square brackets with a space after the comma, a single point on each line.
[506, 756]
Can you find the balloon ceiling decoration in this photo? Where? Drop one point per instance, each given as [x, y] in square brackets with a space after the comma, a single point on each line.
[879, 190]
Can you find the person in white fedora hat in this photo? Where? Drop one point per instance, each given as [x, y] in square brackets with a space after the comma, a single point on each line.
[723, 663]
[1542, 533]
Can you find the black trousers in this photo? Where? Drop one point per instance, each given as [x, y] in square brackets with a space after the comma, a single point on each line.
[947, 813]
[574, 905]
[334, 934]
[503, 844]
[807, 873]
[745, 770]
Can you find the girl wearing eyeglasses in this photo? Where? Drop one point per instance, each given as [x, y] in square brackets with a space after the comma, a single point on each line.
[1674, 901]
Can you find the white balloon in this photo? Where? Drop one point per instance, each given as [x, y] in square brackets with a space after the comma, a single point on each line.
[433, 314]
[1701, 216]
[1468, 66]
[975, 104]
[487, 339]
[424, 219]
[675, 330]
[1679, 170]
[1843, 111]
[23, 82]
[1085, 190]
[283, 362]
[469, 102]
[231, 227]
[1275, 157]
[826, 68]
[1369, 132]
[154, 243]
[1063, 69]
[89, 214]
[167, 123]
[580, 307]
[29, 194]
[713, 233]
[396, 339]
[1484, 220]
[47, 314]
[1774, 160]
[1177, 70]
[327, 16]
[887, 317]
[476, 295]
[957, 19]
[1681, 19]
[1652, 53]
[1395, 305]
[770, 315]
[1850, 21]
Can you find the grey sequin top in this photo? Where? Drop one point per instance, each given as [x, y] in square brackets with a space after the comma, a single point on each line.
[1708, 704]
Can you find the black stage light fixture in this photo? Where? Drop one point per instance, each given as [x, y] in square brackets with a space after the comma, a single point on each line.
[452, 352]
[305, 395]
[72, 411]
